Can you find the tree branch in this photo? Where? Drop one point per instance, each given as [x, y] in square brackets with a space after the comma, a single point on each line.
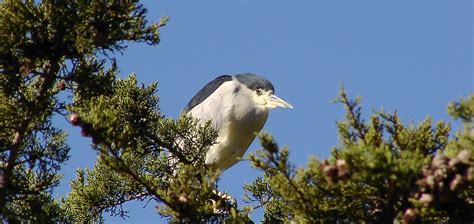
[37, 105]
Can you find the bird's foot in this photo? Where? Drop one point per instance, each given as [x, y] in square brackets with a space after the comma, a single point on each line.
[223, 202]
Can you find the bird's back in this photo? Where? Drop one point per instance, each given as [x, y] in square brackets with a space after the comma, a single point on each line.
[206, 91]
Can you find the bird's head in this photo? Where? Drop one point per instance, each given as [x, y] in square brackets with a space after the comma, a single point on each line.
[263, 91]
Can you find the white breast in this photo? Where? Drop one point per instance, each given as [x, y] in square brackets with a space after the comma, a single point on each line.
[237, 120]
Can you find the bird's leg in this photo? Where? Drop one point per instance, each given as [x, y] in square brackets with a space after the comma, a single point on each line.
[222, 202]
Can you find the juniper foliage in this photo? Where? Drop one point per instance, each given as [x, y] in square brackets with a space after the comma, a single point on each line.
[382, 171]
[48, 50]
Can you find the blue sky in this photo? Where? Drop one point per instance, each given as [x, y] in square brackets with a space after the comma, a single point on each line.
[410, 56]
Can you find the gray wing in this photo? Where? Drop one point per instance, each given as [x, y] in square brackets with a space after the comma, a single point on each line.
[217, 107]
[206, 91]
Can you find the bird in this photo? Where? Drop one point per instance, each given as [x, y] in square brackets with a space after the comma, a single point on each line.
[237, 107]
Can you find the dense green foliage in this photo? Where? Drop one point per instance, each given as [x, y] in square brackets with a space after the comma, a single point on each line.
[381, 171]
[56, 59]
[47, 50]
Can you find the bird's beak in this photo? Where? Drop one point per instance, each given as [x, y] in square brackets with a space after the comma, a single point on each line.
[275, 101]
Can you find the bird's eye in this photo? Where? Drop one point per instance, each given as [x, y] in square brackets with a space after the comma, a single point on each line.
[259, 91]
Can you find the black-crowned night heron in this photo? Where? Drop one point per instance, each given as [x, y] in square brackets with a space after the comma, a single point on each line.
[237, 107]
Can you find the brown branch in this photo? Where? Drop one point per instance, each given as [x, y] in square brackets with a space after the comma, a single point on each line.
[22, 130]
[109, 207]
[354, 117]
[394, 129]
[130, 173]
[170, 147]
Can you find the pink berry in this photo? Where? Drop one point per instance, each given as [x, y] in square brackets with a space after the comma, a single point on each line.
[62, 86]
[411, 216]
[95, 141]
[85, 133]
[75, 119]
[426, 199]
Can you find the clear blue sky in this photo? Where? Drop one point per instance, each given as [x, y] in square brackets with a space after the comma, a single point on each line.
[412, 56]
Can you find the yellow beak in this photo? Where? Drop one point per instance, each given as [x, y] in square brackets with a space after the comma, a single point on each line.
[275, 101]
